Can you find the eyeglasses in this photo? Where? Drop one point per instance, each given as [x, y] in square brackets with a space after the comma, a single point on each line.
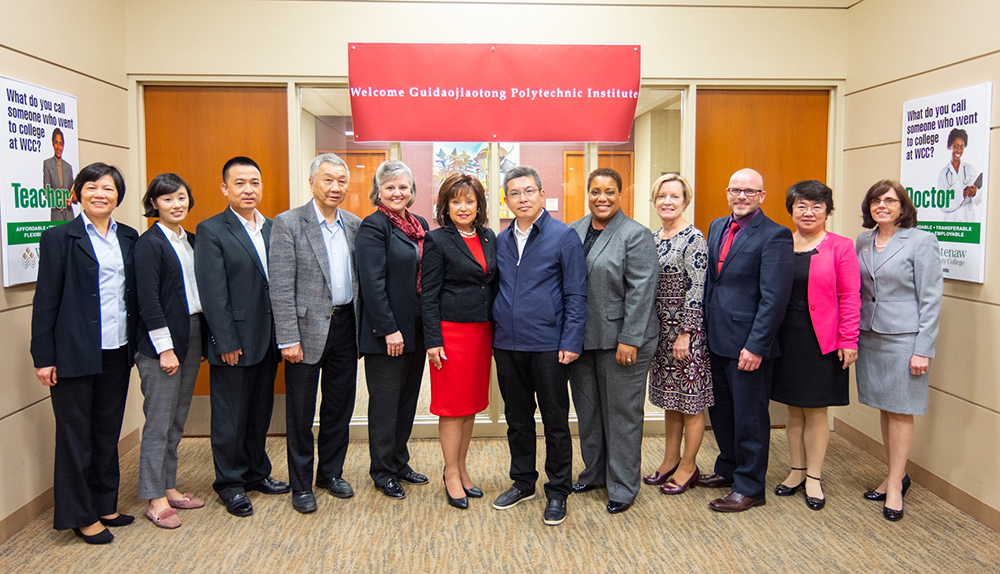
[815, 208]
[516, 195]
[749, 192]
[888, 201]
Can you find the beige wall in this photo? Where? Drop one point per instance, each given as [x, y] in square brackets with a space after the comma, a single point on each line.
[890, 62]
[88, 61]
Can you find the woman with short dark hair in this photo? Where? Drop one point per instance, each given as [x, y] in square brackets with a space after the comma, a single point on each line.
[901, 289]
[170, 344]
[459, 279]
[83, 341]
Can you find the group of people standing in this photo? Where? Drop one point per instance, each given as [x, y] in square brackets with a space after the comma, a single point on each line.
[602, 303]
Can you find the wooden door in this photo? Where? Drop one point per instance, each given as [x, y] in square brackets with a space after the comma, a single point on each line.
[362, 166]
[780, 133]
[575, 181]
[193, 131]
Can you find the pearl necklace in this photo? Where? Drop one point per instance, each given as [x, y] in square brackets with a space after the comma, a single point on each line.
[469, 234]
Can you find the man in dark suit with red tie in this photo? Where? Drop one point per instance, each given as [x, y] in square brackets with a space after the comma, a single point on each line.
[749, 283]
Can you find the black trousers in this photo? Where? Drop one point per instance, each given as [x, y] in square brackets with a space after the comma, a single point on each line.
[339, 365]
[741, 423]
[393, 390]
[522, 376]
[242, 399]
[89, 413]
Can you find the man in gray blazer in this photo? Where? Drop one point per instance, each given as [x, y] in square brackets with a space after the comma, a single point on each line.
[57, 173]
[315, 303]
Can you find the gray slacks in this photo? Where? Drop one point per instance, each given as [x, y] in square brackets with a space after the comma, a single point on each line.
[166, 401]
[609, 403]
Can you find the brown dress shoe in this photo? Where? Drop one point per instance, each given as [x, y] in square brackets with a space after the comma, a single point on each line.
[714, 481]
[735, 502]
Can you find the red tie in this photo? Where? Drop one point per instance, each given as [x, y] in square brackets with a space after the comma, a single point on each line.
[733, 228]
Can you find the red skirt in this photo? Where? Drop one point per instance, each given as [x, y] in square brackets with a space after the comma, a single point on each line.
[461, 386]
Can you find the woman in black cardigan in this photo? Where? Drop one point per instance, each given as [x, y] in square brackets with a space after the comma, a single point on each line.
[82, 343]
[457, 288]
[391, 338]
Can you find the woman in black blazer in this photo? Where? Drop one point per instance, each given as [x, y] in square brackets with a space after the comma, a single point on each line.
[82, 344]
[170, 344]
[388, 247]
[458, 283]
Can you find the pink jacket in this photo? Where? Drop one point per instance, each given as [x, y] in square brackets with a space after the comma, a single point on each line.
[835, 293]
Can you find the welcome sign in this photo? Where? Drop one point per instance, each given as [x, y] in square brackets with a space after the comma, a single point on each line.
[493, 92]
[39, 159]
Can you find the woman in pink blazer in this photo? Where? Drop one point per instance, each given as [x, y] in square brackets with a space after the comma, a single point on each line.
[818, 337]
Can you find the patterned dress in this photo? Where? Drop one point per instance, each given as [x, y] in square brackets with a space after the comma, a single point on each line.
[684, 386]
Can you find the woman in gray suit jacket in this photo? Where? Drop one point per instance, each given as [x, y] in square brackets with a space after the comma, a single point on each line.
[609, 379]
[901, 287]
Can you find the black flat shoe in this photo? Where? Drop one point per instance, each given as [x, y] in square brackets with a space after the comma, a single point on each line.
[892, 515]
[618, 507]
[239, 505]
[271, 485]
[816, 503]
[782, 490]
[460, 503]
[580, 488]
[414, 478]
[392, 489]
[120, 520]
[474, 492]
[102, 537]
[304, 501]
[875, 496]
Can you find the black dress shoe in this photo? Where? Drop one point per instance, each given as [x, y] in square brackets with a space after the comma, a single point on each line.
[393, 490]
[460, 503]
[271, 486]
[120, 520]
[618, 507]
[880, 496]
[239, 505]
[102, 537]
[414, 478]
[555, 512]
[303, 501]
[474, 492]
[511, 498]
[580, 488]
[816, 503]
[892, 515]
[338, 487]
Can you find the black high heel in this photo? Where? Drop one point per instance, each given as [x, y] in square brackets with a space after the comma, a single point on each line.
[880, 496]
[816, 503]
[460, 503]
[782, 490]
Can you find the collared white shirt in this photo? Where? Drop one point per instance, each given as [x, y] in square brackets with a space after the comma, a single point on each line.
[256, 234]
[111, 284]
[338, 256]
[522, 236]
[161, 338]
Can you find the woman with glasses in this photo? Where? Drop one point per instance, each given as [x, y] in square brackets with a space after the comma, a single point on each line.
[901, 287]
[818, 337]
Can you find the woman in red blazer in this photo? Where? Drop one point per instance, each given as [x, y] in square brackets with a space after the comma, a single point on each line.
[818, 336]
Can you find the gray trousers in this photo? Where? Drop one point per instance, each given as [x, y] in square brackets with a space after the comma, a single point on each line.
[609, 403]
[166, 401]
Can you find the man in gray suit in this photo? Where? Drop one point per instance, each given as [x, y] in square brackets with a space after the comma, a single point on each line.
[315, 304]
[57, 173]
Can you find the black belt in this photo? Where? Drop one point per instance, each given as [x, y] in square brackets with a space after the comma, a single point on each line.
[341, 309]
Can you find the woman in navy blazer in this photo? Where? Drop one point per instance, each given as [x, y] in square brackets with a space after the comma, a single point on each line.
[458, 283]
[170, 344]
[82, 342]
[391, 338]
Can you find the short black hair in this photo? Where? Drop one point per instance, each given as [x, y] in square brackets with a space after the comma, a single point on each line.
[605, 172]
[958, 134]
[96, 171]
[58, 132]
[164, 184]
[238, 160]
[809, 190]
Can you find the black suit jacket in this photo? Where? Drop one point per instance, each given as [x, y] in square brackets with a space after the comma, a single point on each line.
[387, 274]
[233, 289]
[745, 303]
[66, 316]
[453, 285]
[162, 298]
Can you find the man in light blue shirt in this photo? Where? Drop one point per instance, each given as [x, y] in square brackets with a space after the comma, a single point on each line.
[314, 297]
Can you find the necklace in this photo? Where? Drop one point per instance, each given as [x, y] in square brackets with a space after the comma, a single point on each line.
[467, 233]
[877, 246]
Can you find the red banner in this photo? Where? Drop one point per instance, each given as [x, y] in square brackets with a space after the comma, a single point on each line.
[493, 92]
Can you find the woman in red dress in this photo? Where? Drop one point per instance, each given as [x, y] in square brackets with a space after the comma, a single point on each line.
[459, 273]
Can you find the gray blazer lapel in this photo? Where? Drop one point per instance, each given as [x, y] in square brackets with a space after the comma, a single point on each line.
[894, 246]
[867, 254]
[314, 235]
[604, 238]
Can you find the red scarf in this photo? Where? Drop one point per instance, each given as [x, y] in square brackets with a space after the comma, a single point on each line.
[410, 227]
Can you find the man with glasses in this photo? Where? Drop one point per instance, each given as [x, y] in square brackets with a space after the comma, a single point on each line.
[540, 314]
[748, 287]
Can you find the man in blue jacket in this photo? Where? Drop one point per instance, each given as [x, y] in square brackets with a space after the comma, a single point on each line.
[539, 312]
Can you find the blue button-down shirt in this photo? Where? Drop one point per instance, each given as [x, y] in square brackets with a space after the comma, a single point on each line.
[338, 256]
[111, 284]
